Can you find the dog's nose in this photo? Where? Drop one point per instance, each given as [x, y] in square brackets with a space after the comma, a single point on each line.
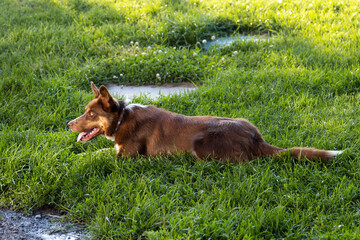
[71, 123]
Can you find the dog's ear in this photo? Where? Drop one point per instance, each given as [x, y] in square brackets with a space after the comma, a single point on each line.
[108, 102]
[95, 90]
[104, 92]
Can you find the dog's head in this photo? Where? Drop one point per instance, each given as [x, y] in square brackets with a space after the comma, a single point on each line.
[101, 116]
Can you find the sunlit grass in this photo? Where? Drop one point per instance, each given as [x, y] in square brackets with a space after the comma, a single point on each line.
[300, 87]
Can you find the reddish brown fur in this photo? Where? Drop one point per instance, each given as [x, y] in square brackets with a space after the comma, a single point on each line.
[150, 130]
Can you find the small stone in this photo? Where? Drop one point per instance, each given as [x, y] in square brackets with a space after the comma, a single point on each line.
[38, 216]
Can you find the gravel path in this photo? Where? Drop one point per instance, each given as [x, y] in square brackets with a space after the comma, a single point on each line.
[41, 225]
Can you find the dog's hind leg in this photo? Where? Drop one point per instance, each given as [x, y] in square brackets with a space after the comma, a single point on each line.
[218, 146]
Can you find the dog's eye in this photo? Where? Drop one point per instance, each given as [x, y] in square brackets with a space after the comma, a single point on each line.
[91, 114]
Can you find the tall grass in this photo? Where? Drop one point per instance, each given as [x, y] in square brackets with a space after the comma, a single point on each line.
[300, 87]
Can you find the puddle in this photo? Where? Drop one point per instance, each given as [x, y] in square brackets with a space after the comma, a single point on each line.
[227, 41]
[149, 91]
[39, 226]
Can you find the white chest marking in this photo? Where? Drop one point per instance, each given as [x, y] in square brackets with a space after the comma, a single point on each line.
[112, 138]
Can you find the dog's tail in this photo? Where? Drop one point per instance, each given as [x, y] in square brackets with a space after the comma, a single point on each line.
[312, 153]
[300, 153]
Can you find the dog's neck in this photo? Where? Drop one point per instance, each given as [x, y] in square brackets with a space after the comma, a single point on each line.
[121, 110]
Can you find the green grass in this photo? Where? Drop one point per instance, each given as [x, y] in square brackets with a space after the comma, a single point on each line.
[300, 88]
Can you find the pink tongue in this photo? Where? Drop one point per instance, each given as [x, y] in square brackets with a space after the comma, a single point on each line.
[81, 135]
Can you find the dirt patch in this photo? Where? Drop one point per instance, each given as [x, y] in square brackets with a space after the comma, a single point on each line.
[39, 225]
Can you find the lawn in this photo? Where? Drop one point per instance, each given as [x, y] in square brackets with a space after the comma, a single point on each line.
[300, 86]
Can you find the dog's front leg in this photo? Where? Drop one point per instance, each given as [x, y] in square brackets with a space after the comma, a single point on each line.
[131, 150]
[119, 150]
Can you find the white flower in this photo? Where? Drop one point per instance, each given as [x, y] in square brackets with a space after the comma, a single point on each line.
[131, 43]
[204, 41]
[235, 52]
[123, 60]
[136, 43]
[280, 1]
[213, 38]
[121, 75]
[137, 49]
[194, 54]
[158, 76]
[143, 53]
[159, 51]
[115, 77]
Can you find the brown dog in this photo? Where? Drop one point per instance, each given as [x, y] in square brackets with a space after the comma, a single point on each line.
[148, 130]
